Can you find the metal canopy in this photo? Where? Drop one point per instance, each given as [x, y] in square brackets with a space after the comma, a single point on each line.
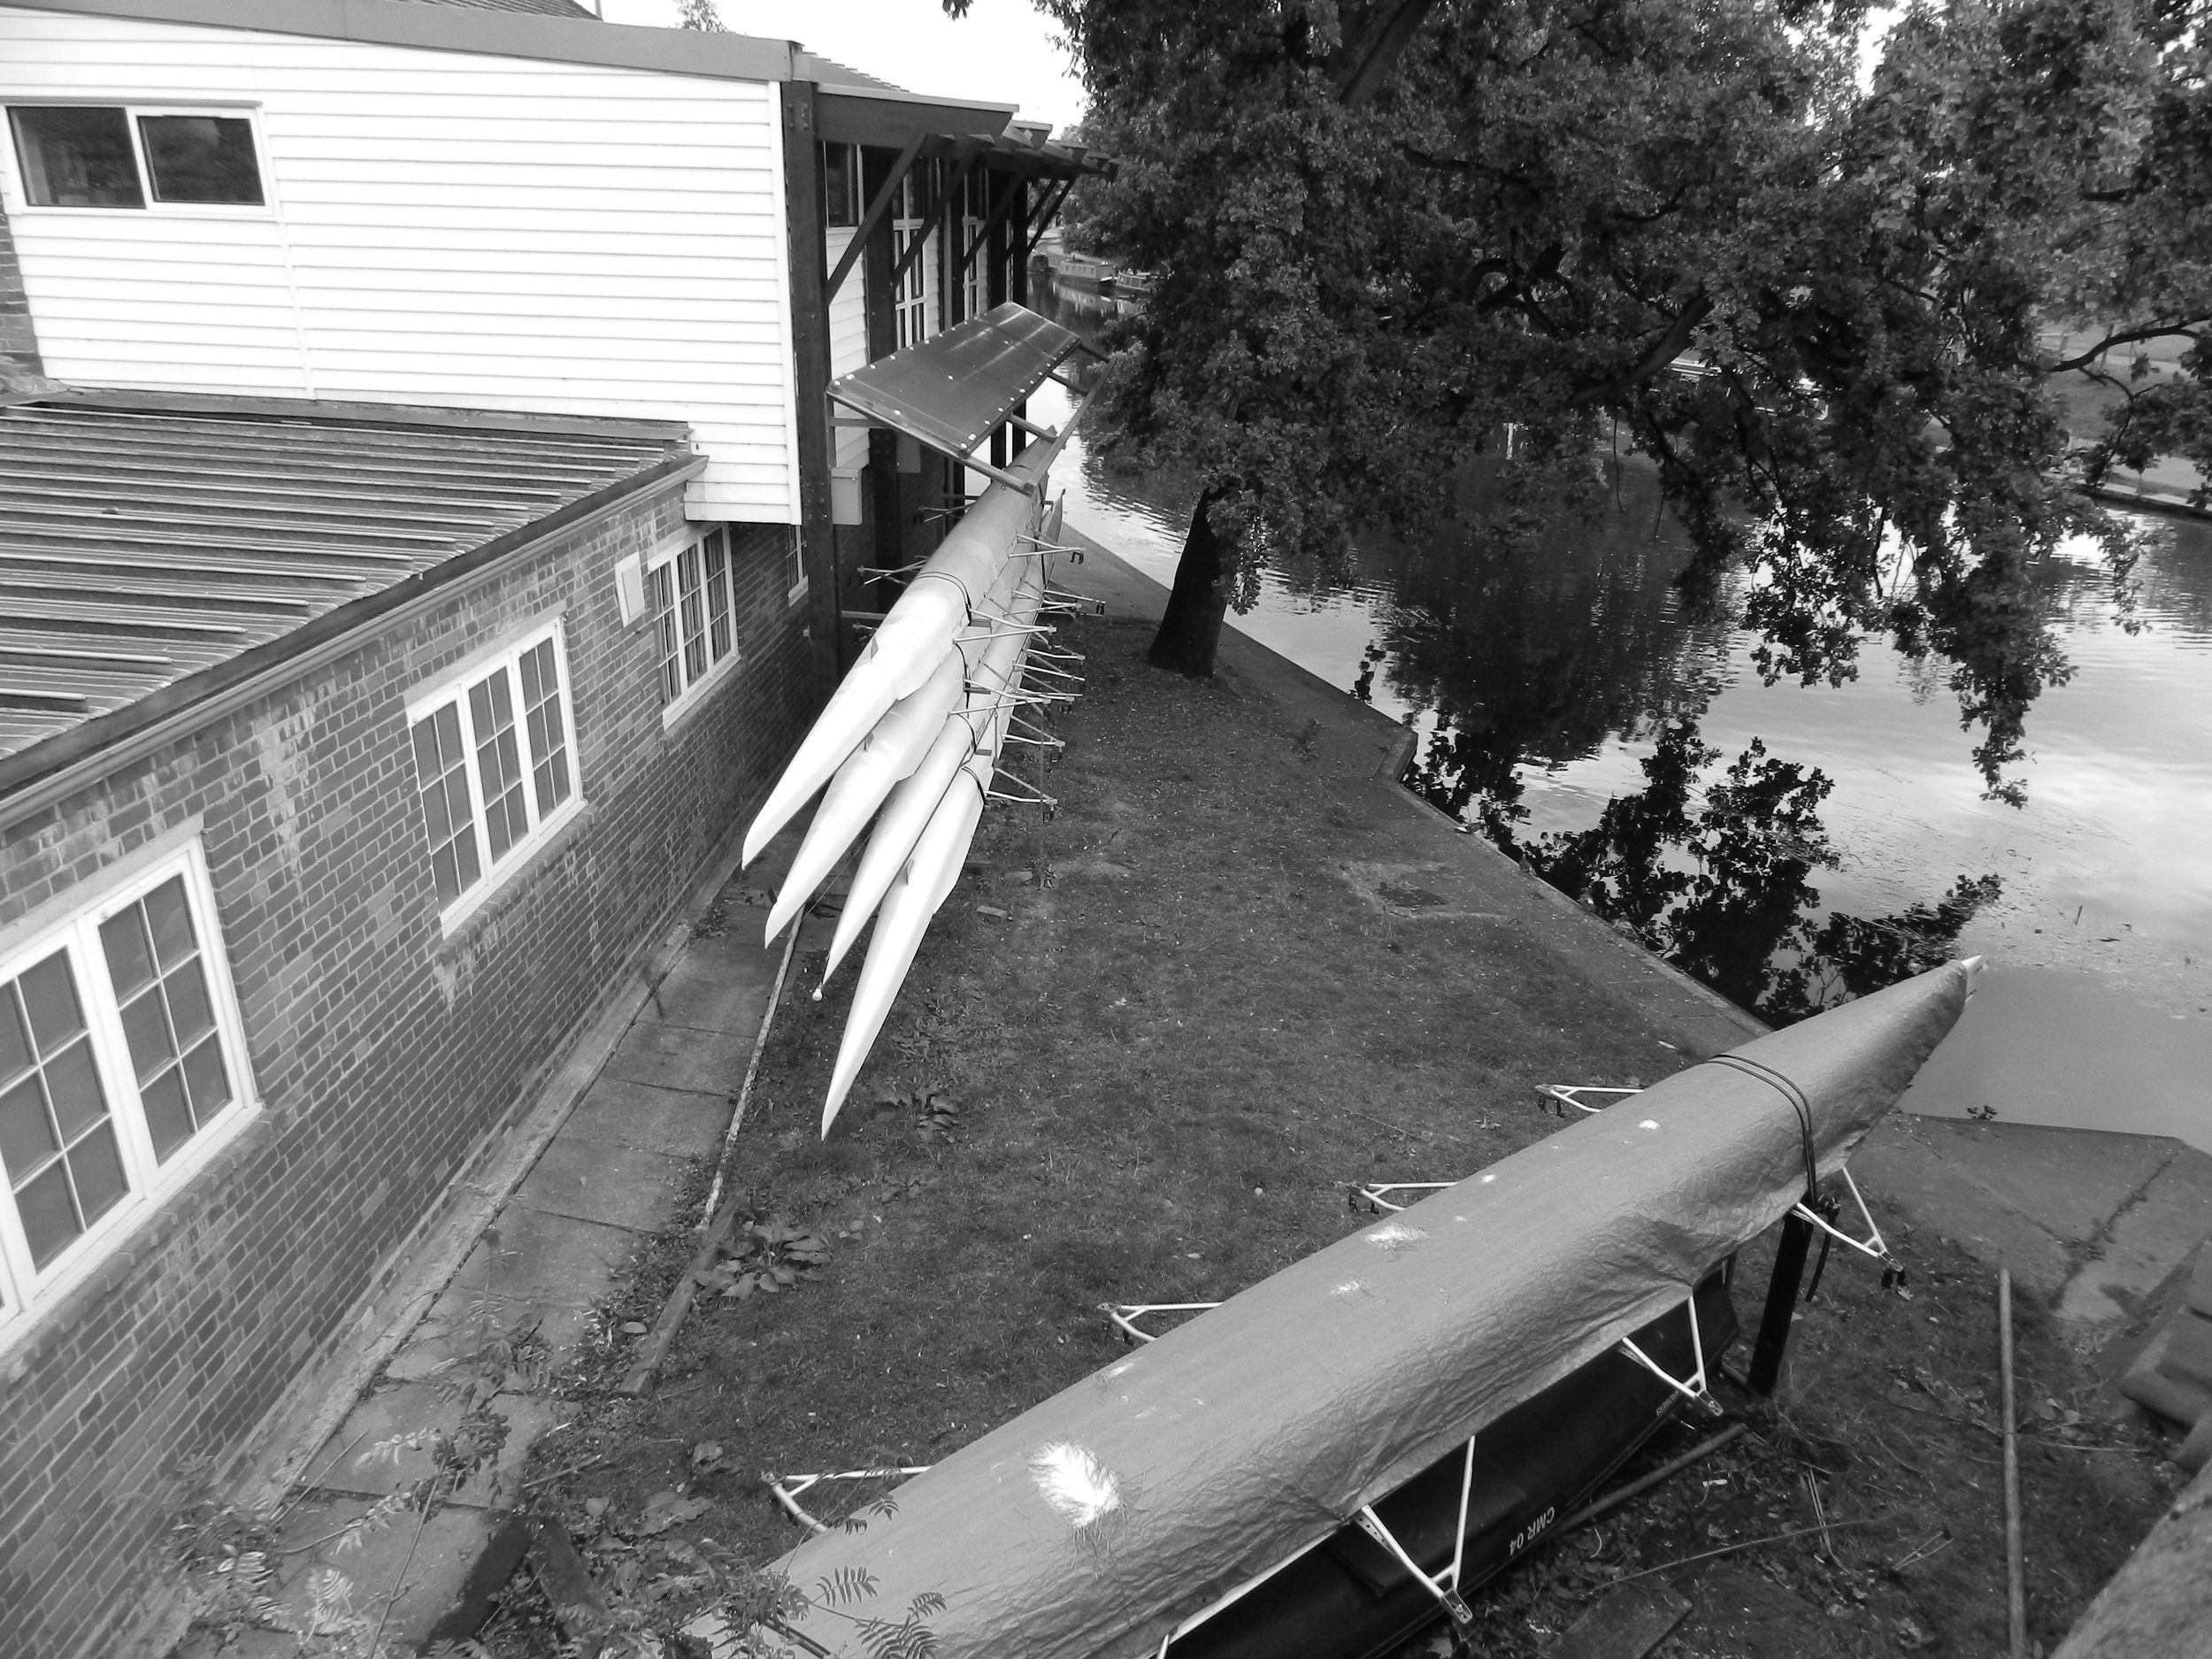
[953, 391]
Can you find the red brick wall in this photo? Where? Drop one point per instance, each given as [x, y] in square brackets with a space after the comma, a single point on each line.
[385, 1054]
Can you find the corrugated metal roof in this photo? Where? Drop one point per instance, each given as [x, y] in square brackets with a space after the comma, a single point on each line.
[142, 546]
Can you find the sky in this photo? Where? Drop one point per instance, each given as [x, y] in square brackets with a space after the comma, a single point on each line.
[1001, 53]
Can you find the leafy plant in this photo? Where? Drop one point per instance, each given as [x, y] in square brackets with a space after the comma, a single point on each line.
[766, 1257]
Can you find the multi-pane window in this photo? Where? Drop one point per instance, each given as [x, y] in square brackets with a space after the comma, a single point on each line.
[494, 766]
[689, 591]
[121, 1064]
[109, 156]
[975, 213]
[909, 296]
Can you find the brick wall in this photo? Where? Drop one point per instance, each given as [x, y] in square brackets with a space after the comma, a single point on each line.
[385, 1053]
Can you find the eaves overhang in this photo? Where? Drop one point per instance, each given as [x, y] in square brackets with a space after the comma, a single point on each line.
[494, 34]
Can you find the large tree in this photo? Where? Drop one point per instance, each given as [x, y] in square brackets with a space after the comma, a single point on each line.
[1384, 234]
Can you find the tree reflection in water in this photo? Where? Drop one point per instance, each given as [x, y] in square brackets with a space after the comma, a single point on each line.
[1534, 639]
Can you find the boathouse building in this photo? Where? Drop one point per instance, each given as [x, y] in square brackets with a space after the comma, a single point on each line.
[423, 535]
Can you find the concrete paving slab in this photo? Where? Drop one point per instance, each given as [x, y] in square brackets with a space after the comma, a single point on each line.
[361, 1461]
[425, 1564]
[677, 1123]
[715, 986]
[543, 1261]
[2165, 1226]
[618, 1187]
[1922, 1173]
[2073, 1181]
[676, 1057]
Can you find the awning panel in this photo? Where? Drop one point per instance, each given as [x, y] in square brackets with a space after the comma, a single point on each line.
[952, 391]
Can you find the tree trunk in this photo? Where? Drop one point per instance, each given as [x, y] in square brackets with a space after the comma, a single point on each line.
[1191, 628]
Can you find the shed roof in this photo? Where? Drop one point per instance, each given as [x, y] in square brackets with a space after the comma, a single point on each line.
[154, 551]
[549, 32]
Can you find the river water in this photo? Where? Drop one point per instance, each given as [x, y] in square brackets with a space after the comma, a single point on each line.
[1552, 669]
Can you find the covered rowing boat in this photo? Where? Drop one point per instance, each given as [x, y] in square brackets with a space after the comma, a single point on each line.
[1119, 1516]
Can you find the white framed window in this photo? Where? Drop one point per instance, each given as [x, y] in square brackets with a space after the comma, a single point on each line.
[910, 298]
[494, 765]
[138, 157]
[122, 1070]
[691, 597]
[975, 212]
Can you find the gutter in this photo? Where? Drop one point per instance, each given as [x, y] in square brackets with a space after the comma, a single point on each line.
[46, 773]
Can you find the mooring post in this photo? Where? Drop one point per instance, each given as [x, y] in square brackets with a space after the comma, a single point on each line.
[1774, 1325]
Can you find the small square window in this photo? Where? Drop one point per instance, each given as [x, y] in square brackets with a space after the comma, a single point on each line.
[76, 157]
[117, 156]
[202, 158]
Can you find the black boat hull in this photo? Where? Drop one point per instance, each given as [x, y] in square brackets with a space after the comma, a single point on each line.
[1350, 1599]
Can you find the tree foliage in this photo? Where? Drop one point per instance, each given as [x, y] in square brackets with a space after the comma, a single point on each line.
[1548, 203]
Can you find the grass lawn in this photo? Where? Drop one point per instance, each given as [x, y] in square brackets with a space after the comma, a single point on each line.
[1169, 1066]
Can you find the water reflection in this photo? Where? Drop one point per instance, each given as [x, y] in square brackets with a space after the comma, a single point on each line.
[1545, 672]
[1531, 650]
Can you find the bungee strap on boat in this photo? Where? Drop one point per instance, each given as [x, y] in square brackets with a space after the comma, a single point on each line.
[1789, 1091]
[1815, 1209]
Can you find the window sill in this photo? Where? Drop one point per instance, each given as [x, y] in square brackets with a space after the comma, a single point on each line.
[679, 714]
[461, 928]
[133, 1246]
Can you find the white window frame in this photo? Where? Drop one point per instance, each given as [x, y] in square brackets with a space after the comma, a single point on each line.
[28, 1292]
[451, 688]
[19, 187]
[910, 298]
[974, 279]
[695, 688]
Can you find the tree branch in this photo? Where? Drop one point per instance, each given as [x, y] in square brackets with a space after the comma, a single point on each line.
[1664, 350]
[2131, 336]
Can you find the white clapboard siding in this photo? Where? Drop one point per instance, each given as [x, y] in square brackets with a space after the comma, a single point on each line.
[848, 337]
[445, 229]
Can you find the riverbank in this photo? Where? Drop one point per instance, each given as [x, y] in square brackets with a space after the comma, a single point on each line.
[1258, 974]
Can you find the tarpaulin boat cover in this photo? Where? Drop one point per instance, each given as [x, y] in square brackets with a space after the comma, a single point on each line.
[1094, 1524]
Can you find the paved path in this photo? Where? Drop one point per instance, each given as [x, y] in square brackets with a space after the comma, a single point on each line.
[605, 1185]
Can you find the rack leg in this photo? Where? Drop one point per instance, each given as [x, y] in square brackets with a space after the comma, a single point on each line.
[1774, 1325]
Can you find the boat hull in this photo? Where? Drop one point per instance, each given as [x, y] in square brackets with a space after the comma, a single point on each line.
[1535, 1466]
[1260, 1429]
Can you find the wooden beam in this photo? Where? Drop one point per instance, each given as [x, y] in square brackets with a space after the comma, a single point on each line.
[811, 370]
[914, 248]
[1044, 216]
[878, 210]
[998, 214]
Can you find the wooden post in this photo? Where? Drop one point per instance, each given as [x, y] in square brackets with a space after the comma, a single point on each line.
[878, 168]
[1774, 1324]
[995, 287]
[811, 364]
[2016, 1586]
